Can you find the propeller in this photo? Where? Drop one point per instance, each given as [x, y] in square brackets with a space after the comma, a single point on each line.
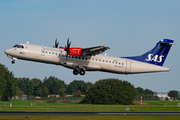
[67, 48]
[56, 44]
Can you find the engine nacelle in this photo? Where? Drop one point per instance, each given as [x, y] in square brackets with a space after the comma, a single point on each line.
[75, 51]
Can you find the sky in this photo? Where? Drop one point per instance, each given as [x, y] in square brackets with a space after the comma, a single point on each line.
[128, 27]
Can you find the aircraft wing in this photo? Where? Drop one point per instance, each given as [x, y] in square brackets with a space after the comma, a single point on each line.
[94, 50]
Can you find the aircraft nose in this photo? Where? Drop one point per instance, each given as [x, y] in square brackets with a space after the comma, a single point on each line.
[6, 51]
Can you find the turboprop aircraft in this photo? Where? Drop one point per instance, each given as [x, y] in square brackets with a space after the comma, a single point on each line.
[88, 59]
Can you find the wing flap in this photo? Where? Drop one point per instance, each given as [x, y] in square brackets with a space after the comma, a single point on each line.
[94, 50]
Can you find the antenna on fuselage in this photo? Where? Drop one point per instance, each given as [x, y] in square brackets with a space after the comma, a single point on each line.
[28, 42]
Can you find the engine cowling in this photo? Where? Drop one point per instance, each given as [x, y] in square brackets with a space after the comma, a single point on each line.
[75, 51]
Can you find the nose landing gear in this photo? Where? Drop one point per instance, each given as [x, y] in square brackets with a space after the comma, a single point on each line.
[13, 61]
[78, 70]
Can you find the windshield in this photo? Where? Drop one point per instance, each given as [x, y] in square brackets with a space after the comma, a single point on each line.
[18, 46]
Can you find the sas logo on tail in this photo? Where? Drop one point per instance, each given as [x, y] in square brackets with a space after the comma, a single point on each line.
[156, 58]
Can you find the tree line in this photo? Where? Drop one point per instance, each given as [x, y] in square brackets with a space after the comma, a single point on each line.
[11, 86]
[49, 86]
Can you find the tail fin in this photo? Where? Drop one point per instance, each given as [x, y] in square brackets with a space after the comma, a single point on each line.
[157, 55]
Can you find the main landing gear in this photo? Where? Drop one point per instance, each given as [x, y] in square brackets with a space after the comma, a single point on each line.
[78, 70]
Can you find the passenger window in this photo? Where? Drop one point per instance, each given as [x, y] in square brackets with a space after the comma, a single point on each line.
[46, 52]
[86, 58]
[103, 60]
[96, 59]
[79, 57]
[100, 60]
[119, 63]
[53, 53]
[112, 62]
[76, 57]
[72, 56]
[49, 52]
[109, 61]
[122, 63]
[56, 54]
[83, 58]
[93, 59]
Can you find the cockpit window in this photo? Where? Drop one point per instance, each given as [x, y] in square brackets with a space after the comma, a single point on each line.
[15, 46]
[18, 46]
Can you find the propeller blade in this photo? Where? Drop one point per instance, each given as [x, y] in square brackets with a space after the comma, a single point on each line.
[56, 44]
[67, 48]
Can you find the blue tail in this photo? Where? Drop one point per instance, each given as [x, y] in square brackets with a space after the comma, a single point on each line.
[157, 55]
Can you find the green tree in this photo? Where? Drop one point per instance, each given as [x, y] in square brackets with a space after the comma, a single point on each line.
[45, 92]
[111, 91]
[78, 93]
[61, 92]
[7, 79]
[148, 92]
[25, 85]
[39, 92]
[89, 85]
[2, 78]
[36, 84]
[53, 84]
[139, 91]
[19, 92]
[76, 85]
[173, 94]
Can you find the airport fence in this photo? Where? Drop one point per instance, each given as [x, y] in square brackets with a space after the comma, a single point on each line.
[138, 98]
[33, 97]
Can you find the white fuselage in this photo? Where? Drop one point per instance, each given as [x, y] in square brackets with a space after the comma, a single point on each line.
[89, 63]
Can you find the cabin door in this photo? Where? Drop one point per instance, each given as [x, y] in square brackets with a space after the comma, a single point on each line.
[128, 66]
[42, 52]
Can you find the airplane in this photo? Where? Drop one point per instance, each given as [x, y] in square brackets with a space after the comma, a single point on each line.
[88, 59]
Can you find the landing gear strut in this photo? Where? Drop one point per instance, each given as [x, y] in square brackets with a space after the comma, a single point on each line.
[77, 70]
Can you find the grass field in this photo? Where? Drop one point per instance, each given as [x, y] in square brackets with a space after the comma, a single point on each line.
[25, 106]
[86, 117]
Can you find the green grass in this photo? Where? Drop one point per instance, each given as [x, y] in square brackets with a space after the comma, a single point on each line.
[169, 103]
[25, 106]
[87, 117]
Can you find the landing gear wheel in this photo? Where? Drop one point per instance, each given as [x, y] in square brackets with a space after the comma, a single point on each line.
[13, 62]
[81, 72]
[75, 72]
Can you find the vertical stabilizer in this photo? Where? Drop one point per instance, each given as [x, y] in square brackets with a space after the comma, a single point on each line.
[157, 55]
